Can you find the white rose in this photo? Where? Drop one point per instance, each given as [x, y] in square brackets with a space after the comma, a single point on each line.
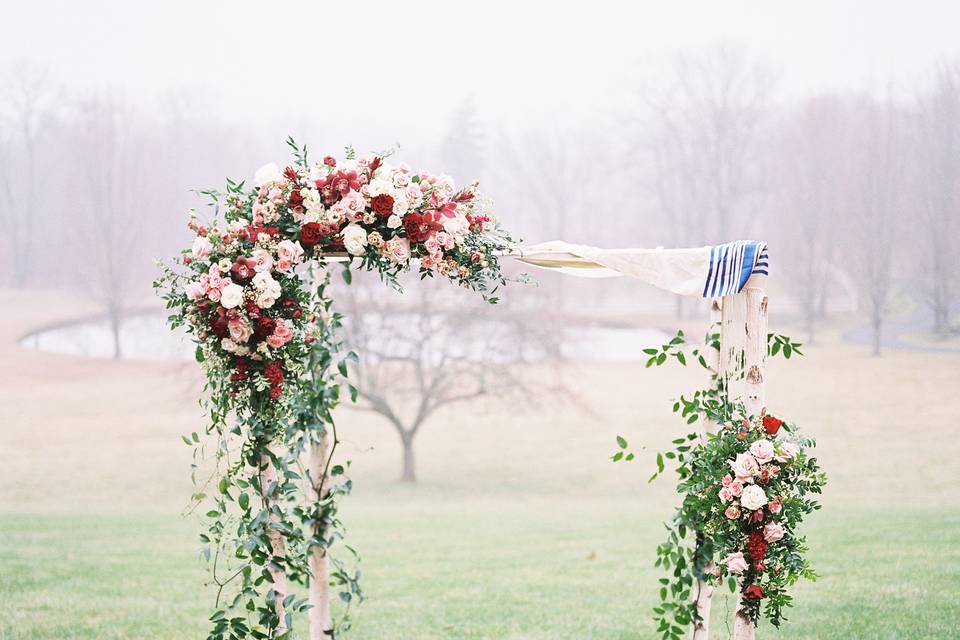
[228, 345]
[753, 498]
[231, 296]
[262, 280]
[265, 299]
[394, 222]
[355, 239]
[267, 174]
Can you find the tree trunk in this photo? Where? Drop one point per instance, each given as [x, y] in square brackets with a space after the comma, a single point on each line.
[409, 471]
[268, 486]
[115, 322]
[321, 626]
[877, 333]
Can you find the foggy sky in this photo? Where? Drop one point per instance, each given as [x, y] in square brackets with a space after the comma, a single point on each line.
[393, 71]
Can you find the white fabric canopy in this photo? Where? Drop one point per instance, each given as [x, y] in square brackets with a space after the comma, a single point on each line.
[704, 272]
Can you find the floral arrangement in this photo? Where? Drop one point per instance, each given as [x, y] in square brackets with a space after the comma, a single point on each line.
[252, 291]
[747, 486]
[759, 481]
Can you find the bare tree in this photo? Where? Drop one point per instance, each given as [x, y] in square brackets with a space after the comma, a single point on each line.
[463, 147]
[701, 142]
[938, 150]
[430, 350]
[25, 113]
[877, 182]
[809, 205]
[114, 192]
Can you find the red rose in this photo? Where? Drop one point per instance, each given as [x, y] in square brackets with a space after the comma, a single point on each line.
[276, 392]
[264, 327]
[310, 234]
[330, 161]
[296, 199]
[382, 205]
[753, 592]
[771, 425]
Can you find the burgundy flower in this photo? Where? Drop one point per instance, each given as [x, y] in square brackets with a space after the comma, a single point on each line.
[310, 234]
[264, 327]
[290, 173]
[382, 205]
[419, 227]
[274, 373]
[753, 592]
[243, 268]
[295, 199]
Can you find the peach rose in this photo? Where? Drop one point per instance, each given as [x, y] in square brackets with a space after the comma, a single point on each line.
[732, 512]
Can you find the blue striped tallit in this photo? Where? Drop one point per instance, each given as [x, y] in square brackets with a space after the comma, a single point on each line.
[732, 264]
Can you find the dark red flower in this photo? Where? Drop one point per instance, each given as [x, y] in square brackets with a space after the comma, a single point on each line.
[240, 374]
[255, 230]
[290, 173]
[220, 325]
[330, 161]
[419, 227]
[276, 392]
[757, 547]
[204, 307]
[382, 205]
[243, 268]
[311, 234]
[252, 309]
[337, 185]
[295, 199]
[274, 373]
[264, 327]
[753, 592]
[771, 425]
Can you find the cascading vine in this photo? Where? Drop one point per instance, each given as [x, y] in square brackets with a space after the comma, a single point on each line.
[747, 485]
[253, 292]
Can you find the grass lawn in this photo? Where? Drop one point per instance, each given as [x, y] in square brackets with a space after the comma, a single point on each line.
[519, 528]
[475, 570]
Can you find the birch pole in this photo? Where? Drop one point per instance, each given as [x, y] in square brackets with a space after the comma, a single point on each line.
[268, 488]
[701, 627]
[321, 627]
[755, 357]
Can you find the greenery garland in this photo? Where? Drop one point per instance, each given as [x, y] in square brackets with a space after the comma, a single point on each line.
[746, 488]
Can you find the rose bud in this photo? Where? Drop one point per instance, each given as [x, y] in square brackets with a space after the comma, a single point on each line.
[330, 161]
[741, 436]
[187, 259]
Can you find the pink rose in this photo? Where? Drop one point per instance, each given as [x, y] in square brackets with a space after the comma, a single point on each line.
[762, 451]
[735, 562]
[201, 248]
[744, 466]
[773, 531]
[240, 330]
[736, 488]
[194, 290]
[398, 250]
[725, 494]
[289, 251]
[281, 335]
[263, 260]
[727, 479]
[788, 450]
[283, 265]
[732, 512]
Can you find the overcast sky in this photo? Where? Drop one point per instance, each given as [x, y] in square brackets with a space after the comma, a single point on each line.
[399, 67]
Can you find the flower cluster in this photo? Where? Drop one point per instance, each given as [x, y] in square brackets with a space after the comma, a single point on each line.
[762, 497]
[243, 295]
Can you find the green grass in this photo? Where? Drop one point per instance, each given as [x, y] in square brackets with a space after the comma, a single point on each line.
[476, 569]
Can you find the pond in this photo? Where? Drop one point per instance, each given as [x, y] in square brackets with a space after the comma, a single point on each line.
[146, 337]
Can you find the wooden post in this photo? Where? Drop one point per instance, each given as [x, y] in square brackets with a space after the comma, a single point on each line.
[755, 357]
[321, 626]
[701, 628]
[268, 487]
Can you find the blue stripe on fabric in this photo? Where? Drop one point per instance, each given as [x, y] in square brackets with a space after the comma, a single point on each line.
[723, 268]
[709, 272]
[748, 263]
